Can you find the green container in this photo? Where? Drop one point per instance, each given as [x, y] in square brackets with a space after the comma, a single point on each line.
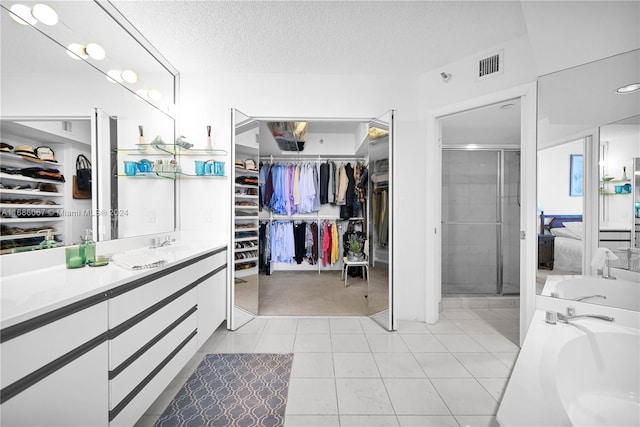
[74, 256]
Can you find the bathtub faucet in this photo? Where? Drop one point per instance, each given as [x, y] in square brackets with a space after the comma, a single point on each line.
[552, 317]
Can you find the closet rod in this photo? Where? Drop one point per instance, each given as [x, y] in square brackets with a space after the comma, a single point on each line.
[310, 158]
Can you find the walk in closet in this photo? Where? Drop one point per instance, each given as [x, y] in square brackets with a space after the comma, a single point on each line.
[302, 190]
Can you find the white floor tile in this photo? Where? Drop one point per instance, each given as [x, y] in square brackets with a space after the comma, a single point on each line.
[314, 326]
[427, 421]
[495, 343]
[441, 365]
[465, 396]
[370, 326]
[474, 325]
[398, 365]
[477, 421]
[423, 343]
[368, 421]
[415, 397]
[366, 396]
[509, 359]
[312, 421]
[355, 365]
[312, 365]
[237, 343]
[312, 396]
[458, 313]
[410, 326]
[444, 326]
[387, 343]
[349, 343]
[256, 326]
[495, 386]
[313, 343]
[459, 343]
[284, 325]
[275, 343]
[483, 365]
[347, 325]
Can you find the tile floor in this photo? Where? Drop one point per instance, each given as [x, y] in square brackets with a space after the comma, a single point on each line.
[347, 371]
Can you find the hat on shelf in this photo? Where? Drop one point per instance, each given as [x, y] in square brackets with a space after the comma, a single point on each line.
[250, 164]
[239, 164]
[46, 153]
[5, 147]
[26, 152]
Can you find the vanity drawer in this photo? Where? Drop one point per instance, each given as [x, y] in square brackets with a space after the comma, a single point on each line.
[128, 304]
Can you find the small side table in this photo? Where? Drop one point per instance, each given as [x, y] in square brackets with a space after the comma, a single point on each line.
[545, 250]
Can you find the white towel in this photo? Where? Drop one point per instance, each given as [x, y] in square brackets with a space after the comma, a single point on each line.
[601, 256]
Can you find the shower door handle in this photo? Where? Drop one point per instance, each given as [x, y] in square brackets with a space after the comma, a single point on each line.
[523, 235]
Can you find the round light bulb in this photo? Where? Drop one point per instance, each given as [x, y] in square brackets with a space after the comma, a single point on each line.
[45, 14]
[95, 51]
[114, 76]
[129, 76]
[22, 14]
[77, 51]
[154, 95]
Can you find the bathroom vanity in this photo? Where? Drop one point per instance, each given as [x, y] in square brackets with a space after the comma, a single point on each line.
[96, 346]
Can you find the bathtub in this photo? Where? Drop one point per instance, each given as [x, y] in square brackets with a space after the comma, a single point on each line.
[584, 373]
[620, 293]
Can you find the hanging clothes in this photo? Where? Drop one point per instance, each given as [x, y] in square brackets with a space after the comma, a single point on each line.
[299, 233]
[324, 183]
[282, 242]
[343, 183]
[326, 244]
[335, 243]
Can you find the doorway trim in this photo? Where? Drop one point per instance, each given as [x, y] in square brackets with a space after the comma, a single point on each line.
[528, 247]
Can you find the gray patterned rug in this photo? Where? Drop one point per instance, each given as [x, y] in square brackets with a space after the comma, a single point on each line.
[235, 390]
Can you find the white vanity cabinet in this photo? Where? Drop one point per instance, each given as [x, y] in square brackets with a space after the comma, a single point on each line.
[104, 359]
[53, 368]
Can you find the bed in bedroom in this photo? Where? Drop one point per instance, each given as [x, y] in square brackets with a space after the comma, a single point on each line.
[568, 232]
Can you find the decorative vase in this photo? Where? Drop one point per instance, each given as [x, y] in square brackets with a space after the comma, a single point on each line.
[355, 257]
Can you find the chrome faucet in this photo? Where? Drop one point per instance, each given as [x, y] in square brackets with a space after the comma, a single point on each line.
[608, 273]
[552, 317]
[589, 297]
[167, 241]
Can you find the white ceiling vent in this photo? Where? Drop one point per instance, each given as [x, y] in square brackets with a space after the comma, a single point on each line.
[490, 65]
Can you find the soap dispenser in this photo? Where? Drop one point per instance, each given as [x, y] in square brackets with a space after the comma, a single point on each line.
[48, 241]
[88, 248]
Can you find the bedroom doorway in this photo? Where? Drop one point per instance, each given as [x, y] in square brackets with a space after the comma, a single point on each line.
[480, 221]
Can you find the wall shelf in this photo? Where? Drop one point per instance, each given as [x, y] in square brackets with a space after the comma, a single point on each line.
[9, 192]
[170, 150]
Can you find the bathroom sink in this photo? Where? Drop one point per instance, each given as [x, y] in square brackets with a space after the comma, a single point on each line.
[598, 379]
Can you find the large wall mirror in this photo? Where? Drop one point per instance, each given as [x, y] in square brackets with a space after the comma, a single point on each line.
[588, 133]
[78, 82]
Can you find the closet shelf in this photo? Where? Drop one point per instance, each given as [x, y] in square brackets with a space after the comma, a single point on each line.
[12, 156]
[27, 235]
[9, 192]
[246, 171]
[246, 239]
[250, 248]
[241, 261]
[35, 219]
[29, 206]
[247, 272]
[245, 196]
[22, 178]
[246, 186]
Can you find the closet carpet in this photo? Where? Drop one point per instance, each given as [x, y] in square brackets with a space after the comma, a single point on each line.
[296, 293]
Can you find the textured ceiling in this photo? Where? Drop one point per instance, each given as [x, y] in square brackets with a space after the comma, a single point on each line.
[322, 37]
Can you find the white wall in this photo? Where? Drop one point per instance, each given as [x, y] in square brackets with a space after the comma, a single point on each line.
[207, 99]
[553, 179]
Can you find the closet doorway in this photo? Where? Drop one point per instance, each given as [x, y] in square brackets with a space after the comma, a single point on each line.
[304, 192]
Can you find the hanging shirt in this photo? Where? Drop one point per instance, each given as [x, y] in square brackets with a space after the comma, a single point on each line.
[326, 244]
[343, 183]
[335, 244]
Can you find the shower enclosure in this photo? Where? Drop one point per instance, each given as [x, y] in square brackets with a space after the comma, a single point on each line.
[480, 221]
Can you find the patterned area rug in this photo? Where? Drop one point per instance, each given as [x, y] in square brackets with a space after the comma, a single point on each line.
[235, 390]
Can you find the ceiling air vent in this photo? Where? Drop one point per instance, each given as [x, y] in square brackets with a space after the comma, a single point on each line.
[490, 65]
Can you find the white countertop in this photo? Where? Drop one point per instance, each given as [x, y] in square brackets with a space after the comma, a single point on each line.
[35, 292]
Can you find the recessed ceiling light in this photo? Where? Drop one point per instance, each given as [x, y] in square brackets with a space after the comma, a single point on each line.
[129, 76]
[77, 51]
[507, 106]
[633, 87]
[95, 51]
[22, 14]
[114, 76]
[154, 94]
[45, 14]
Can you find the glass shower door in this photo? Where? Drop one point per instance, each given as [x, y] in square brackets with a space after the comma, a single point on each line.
[471, 229]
